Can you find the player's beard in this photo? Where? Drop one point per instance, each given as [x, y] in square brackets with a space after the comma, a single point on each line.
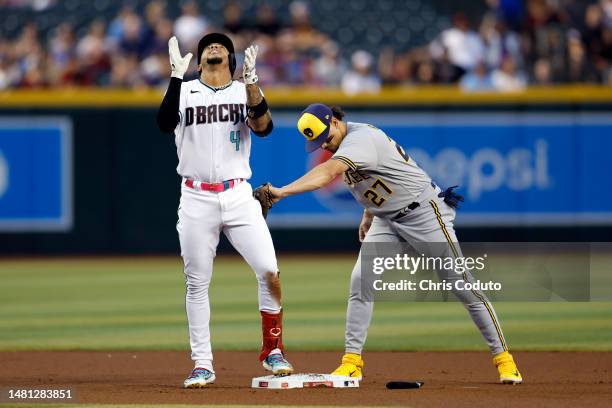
[214, 60]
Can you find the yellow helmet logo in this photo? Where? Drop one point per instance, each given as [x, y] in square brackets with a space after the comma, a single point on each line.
[310, 126]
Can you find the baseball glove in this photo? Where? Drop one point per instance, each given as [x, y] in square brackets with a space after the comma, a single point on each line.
[264, 196]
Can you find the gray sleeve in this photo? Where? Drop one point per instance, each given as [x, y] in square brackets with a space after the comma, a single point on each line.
[358, 153]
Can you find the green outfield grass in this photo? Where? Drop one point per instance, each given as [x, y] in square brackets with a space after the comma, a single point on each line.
[138, 303]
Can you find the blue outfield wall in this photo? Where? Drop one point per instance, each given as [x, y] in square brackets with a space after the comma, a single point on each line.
[35, 174]
[514, 169]
[103, 181]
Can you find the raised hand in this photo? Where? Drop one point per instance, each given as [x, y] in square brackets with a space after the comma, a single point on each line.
[178, 63]
[248, 70]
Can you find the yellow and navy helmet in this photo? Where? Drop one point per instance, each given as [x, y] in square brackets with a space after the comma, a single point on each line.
[313, 124]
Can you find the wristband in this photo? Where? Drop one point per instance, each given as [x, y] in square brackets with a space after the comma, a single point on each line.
[257, 111]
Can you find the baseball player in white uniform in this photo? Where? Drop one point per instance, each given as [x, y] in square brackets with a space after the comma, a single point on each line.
[402, 204]
[212, 118]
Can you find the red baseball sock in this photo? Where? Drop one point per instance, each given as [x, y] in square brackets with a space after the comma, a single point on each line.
[272, 331]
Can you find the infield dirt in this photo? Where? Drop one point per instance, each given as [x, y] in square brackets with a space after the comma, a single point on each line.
[465, 379]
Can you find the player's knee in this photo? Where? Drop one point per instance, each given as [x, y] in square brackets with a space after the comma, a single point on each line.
[354, 295]
[197, 287]
[196, 293]
[472, 304]
[264, 267]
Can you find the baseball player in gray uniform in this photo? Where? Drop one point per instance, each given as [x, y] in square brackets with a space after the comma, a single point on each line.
[402, 204]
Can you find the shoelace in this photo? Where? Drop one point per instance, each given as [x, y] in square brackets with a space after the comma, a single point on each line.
[199, 371]
[275, 358]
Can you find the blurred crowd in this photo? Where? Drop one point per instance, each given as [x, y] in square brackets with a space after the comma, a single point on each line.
[517, 43]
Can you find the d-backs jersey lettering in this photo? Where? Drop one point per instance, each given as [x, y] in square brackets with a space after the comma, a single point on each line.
[213, 141]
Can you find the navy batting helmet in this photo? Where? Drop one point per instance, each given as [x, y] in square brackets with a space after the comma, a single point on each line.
[222, 39]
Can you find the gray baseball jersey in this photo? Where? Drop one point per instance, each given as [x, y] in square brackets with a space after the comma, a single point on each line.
[381, 176]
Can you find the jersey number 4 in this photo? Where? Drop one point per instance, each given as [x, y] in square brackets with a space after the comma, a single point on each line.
[375, 197]
[235, 138]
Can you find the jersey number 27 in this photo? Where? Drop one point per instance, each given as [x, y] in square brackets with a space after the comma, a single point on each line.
[376, 198]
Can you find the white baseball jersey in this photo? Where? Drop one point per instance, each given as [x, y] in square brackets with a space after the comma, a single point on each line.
[213, 141]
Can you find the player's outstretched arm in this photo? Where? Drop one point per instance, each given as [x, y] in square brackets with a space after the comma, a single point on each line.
[316, 178]
[168, 113]
[260, 118]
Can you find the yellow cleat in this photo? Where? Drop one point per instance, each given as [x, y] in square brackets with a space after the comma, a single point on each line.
[351, 366]
[508, 373]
